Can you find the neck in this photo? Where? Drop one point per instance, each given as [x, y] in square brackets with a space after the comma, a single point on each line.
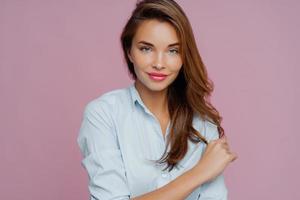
[155, 101]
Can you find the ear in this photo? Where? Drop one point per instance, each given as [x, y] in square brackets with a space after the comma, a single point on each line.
[129, 55]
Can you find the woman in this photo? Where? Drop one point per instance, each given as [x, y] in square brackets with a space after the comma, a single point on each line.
[159, 138]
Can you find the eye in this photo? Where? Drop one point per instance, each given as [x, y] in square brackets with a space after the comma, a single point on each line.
[145, 49]
[174, 51]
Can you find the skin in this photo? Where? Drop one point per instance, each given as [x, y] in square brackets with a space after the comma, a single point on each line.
[160, 57]
[153, 50]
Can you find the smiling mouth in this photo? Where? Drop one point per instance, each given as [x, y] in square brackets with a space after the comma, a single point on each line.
[157, 77]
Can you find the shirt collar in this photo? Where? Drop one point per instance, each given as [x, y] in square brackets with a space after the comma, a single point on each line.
[136, 98]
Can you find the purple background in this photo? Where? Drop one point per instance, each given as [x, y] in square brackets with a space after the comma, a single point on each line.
[55, 56]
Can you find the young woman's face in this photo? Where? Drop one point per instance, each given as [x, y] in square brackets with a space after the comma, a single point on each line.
[155, 54]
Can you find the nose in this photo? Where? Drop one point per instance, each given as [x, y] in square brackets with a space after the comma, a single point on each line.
[158, 61]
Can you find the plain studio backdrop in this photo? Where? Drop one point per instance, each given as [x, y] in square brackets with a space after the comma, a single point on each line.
[55, 56]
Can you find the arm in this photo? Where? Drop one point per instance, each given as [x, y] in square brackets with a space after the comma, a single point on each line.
[207, 173]
[178, 189]
[215, 188]
[104, 164]
[102, 157]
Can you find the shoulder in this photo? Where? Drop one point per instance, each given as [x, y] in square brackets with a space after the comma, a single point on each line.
[107, 103]
[211, 130]
[206, 127]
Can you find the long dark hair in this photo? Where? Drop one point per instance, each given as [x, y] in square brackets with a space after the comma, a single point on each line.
[190, 92]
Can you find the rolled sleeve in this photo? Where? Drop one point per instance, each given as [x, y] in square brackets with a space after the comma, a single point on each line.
[102, 157]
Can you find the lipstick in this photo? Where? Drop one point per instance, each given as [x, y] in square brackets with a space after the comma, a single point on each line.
[157, 76]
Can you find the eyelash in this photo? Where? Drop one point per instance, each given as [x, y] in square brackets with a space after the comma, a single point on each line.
[148, 48]
[176, 50]
[145, 48]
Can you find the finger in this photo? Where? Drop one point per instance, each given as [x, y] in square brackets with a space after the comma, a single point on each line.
[234, 157]
[213, 141]
[225, 146]
[222, 140]
[223, 137]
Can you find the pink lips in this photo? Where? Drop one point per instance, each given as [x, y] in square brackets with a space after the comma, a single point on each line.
[157, 76]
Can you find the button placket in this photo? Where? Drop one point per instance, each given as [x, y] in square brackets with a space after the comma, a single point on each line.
[158, 128]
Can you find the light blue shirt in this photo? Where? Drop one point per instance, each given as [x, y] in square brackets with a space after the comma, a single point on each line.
[119, 137]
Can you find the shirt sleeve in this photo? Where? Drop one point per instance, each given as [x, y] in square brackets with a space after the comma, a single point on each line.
[215, 189]
[102, 157]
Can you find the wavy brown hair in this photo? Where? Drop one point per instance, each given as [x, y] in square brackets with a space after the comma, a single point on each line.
[190, 92]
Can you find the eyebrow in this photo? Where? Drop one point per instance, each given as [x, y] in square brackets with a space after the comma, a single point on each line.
[147, 43]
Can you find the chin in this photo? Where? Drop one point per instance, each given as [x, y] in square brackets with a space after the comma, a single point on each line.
[157, 86]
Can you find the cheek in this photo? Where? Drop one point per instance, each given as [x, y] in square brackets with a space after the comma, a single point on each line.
[175, 64]
[141, 60]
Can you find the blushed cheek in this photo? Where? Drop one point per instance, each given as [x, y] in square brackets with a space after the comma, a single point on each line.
[146, 62]
[176, 66]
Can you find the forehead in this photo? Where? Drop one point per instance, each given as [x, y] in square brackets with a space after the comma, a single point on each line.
[156, 32]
